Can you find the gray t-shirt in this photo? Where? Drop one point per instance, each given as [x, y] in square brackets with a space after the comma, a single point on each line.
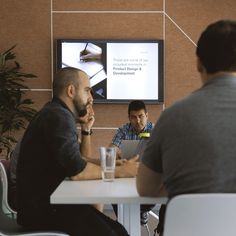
[194, 142]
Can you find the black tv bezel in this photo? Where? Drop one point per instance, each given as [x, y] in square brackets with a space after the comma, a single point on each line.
[160, 42]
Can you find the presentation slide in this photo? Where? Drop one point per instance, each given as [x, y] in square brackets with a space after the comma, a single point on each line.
[118, 71]
[132, 71]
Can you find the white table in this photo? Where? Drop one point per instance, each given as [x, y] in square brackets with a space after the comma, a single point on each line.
[122, 192]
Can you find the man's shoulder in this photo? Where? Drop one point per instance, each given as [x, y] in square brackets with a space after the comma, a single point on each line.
[55, 109]
[149, 126]
[188, 102]
[126, 126]
[125, 129]
[51, 116]
[183, 109]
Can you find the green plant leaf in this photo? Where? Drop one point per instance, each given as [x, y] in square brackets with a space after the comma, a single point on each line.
[15, 111]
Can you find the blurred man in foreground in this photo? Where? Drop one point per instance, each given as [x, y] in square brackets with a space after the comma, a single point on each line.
[192, 147]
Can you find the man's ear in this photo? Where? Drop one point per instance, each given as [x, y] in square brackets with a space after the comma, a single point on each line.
[70, 90]
[129, 117]
[200, 67]
[202, 70]
[147, 114]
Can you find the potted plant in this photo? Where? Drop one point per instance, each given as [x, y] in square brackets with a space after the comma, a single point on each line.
[15, 110]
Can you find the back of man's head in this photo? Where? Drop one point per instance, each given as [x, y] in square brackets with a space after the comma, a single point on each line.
[136, 105]
[216, 47]
[63, 78]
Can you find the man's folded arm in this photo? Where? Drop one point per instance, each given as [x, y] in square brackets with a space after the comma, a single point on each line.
[150, 183]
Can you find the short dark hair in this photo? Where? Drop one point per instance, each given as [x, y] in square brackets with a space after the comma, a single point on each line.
[136, 105]
[63, 78]
[216, 47]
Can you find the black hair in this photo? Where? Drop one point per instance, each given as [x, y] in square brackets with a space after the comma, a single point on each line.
[216, 47]
[136, 105]
[63, 78]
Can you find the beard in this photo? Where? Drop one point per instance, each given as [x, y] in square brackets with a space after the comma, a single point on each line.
[81, 109]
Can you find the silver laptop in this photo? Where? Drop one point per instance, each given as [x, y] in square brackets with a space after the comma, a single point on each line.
[129, 148]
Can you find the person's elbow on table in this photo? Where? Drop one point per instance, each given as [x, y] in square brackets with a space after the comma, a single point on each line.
[91, 171]
[149, 183]
[128, 168]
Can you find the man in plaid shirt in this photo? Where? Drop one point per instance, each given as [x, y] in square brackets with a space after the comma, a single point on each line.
[138, 123]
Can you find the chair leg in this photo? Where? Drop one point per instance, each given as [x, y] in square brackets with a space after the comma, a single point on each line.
[147, 229]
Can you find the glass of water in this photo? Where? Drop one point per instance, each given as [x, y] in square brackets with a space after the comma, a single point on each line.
[108, 163]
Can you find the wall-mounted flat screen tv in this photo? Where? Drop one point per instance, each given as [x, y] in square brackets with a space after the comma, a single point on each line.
[119, 70]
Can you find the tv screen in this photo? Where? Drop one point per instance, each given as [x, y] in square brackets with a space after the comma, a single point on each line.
[119, 71]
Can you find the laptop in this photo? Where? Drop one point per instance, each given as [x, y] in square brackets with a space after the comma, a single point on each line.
[129, 148]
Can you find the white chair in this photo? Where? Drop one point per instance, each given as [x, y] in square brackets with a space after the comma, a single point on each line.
[155, 216]
[201, 215]
[4, 179]
[9, 226]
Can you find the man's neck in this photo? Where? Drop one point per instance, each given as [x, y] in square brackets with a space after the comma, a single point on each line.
[138, 132]
[68, 103]
[208, 77]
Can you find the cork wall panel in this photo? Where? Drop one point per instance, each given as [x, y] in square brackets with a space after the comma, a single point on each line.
[185, 20]
[115, 115]
[105, 5]
[193, 16]
[108, 26]
[101, 137]
[27, 25]
[181, 76]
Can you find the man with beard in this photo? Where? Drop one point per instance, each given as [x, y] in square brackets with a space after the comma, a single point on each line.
[50, 152]
[86, 123]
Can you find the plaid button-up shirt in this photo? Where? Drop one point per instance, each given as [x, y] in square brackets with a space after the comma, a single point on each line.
[127, 132]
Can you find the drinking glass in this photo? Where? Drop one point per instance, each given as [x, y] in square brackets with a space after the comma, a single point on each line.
[108, 163]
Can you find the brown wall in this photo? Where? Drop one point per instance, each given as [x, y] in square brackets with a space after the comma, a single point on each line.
[35, 24]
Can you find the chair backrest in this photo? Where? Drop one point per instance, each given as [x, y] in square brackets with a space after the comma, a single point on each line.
[4, 165]
[9, 226]
[201, 214]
